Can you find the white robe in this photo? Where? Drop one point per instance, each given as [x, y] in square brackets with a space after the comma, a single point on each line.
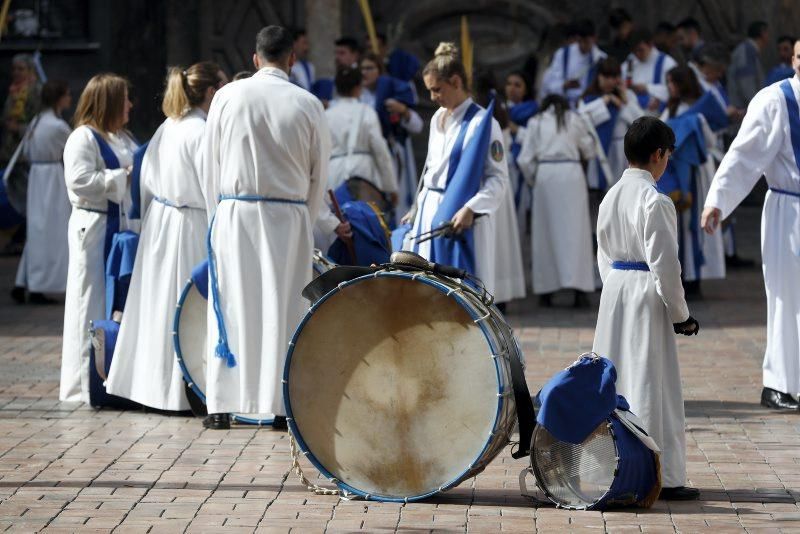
[560, 226]
[643, 72]
[171, 243]
[579, 68]
[597, 113]
[90, 186]
[517, 182]
[763, 146]
[43, 266]
[264, 136]
[509, 270]
[444, 131]
[370, 157]
[638, 309]
[712, 247]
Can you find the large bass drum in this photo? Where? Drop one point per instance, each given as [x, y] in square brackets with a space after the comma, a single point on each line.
[190, 339]
[416, 400]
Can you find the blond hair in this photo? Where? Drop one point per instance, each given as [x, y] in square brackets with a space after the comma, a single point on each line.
[187, 88]
[102, 102]
[446, 64]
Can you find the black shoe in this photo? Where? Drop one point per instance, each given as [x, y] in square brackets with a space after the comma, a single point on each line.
[681, 493]
[776, 400]
[39, 298]
[218, 421]
[581, 300]
[18, 295]
[280, 423]
[735, 262]
[546, 300]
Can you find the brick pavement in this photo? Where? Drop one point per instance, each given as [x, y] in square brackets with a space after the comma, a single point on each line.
[67, 467]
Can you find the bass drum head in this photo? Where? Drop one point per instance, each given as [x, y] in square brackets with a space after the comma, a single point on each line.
[190, 340]
[400, 408]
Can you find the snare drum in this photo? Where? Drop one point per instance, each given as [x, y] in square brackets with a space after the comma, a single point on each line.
[415, 401]
[189, 335]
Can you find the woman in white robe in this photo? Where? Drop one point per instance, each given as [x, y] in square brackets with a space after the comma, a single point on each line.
[445, 78]
[358, 147]
[43, 266]
[399, 134]
[91, 185]
[172, 242]
[606, 100]
[556, 142]
[685, 89]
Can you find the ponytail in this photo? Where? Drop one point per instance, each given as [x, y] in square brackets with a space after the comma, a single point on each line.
[187, 88]
[446, 64]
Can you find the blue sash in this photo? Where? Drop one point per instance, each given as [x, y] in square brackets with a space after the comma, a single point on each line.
[630, 266]
[307, 70]
[112, 217]
[136, 174]
[458, 146]
[657, 72]
[794, 118]
[565, 63]
[223, 349]
[388, 87]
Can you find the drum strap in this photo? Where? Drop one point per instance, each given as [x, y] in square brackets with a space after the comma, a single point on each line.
[526, 417]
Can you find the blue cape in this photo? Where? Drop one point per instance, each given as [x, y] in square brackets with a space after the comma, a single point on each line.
[521, 113]
[402, 65]
[777, 74]
[370, 238]
[576, 400]
[119, 268]
[690, 151]
[323, 89]
[709, 107]
[8, 215]
[459, 251]
[388, 87]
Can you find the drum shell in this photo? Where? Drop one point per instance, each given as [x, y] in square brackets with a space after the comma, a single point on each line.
[636, 473]
[500, 342]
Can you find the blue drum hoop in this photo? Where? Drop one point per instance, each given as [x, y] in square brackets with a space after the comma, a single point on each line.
[455, 290]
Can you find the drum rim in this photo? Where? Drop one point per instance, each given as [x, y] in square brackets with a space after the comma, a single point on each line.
[176, 342]
[436, 284]
[610, 425]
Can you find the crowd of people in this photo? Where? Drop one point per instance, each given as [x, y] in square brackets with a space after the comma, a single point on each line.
[238, 174]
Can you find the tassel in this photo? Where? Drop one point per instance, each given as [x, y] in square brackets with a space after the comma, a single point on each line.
[224, 352]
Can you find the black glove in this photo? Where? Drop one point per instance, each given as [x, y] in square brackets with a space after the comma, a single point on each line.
[690, 327]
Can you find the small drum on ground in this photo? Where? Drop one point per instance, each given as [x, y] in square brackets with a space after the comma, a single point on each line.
[414, 403]
[190, 340]
[611, 467]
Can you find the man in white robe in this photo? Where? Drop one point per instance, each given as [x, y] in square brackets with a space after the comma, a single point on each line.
[646, 70]
[302, 73]
[265, 159]
[642, 302]
[764, 146]
[572, 68]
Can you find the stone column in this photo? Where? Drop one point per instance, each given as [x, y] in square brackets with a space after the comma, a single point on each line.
[323, 26]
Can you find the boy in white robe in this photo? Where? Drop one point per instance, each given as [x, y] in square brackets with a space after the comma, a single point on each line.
[642, 302]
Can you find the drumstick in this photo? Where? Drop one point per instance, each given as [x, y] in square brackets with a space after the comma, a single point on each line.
[348, 241]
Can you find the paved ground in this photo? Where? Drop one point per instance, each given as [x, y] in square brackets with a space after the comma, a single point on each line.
[66, 467]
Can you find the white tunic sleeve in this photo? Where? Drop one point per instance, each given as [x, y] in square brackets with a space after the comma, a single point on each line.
[631, 110]
[661, 251]
[84, 177]
[210, 171]
[595, 111]
[526, 161]
[413, 124]
[380, 153]
[587, 146]
[495, 178]
[757, 144]
[553, 78]
[320, 155]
